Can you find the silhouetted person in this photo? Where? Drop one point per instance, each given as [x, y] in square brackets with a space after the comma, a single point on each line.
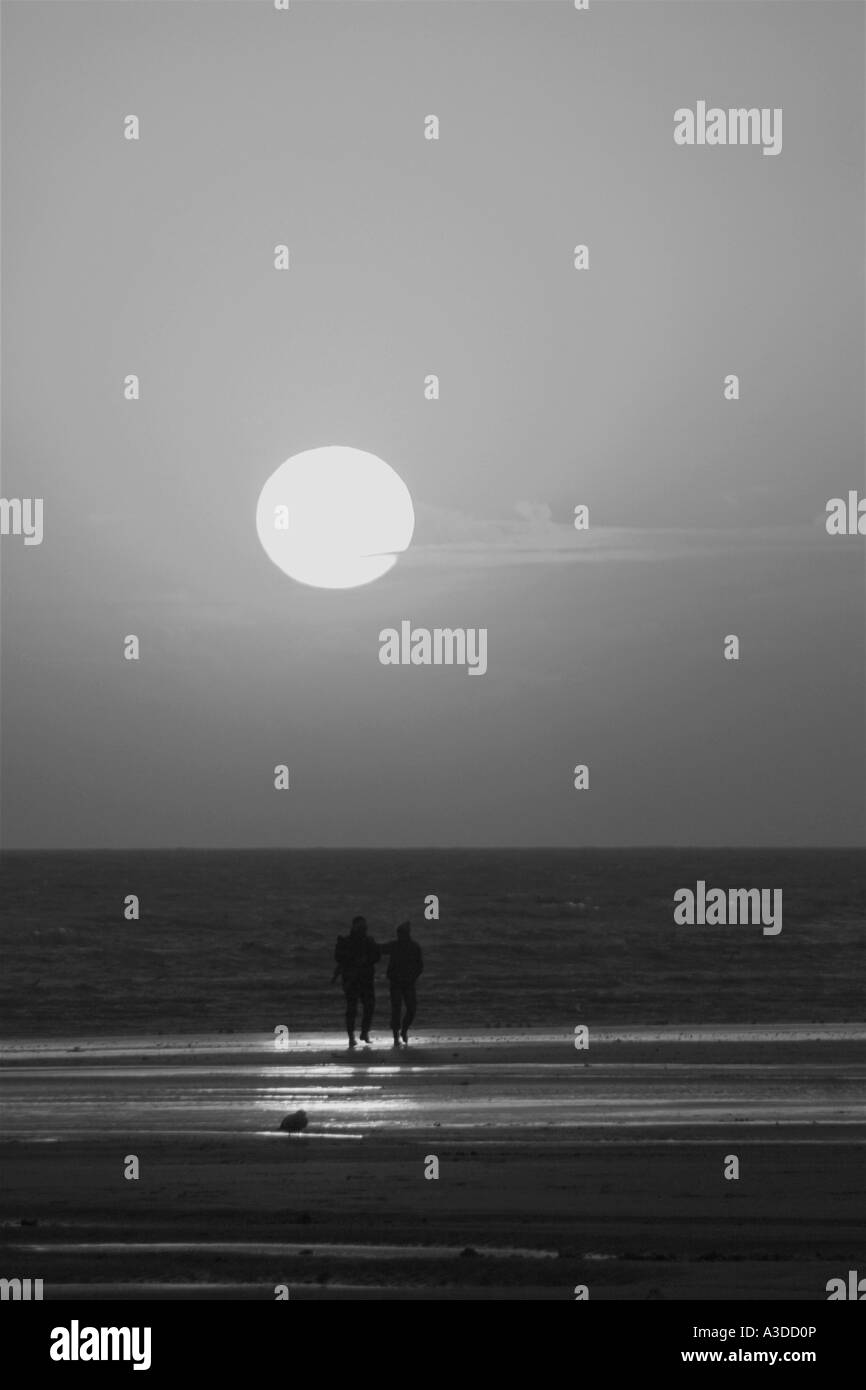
[356, 956]
[405, 964]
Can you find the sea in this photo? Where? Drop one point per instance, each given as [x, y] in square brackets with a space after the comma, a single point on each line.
[242, 941]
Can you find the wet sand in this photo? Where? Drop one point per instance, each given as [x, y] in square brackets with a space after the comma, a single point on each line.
[557, 1167]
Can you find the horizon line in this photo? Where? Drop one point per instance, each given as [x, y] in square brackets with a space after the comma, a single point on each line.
[414, 849]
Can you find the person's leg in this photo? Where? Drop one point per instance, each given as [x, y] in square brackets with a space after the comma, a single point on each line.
[368, 1003]
[396, 1002]
[351, 1010]
[411, 1009]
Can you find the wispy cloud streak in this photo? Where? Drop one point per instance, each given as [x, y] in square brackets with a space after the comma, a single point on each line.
[532, 537]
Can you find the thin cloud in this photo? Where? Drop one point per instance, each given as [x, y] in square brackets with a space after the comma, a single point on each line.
[532, 537]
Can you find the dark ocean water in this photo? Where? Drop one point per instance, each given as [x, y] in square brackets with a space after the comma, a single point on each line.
[243, 940]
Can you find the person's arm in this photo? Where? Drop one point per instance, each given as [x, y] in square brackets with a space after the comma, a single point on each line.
[339, 951]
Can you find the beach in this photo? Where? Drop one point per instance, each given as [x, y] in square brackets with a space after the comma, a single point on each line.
[434, 572]
[557, 1167]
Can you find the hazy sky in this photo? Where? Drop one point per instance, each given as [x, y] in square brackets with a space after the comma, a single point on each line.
[558, 387]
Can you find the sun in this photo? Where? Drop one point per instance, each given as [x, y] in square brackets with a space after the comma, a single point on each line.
[334, 517]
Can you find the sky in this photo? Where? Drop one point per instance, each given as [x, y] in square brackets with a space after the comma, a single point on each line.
[558, 387]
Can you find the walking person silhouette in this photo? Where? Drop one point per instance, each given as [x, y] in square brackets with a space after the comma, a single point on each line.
[356, 956]
[405, 963]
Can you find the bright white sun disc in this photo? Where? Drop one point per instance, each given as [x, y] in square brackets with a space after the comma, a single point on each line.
[335, 517]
